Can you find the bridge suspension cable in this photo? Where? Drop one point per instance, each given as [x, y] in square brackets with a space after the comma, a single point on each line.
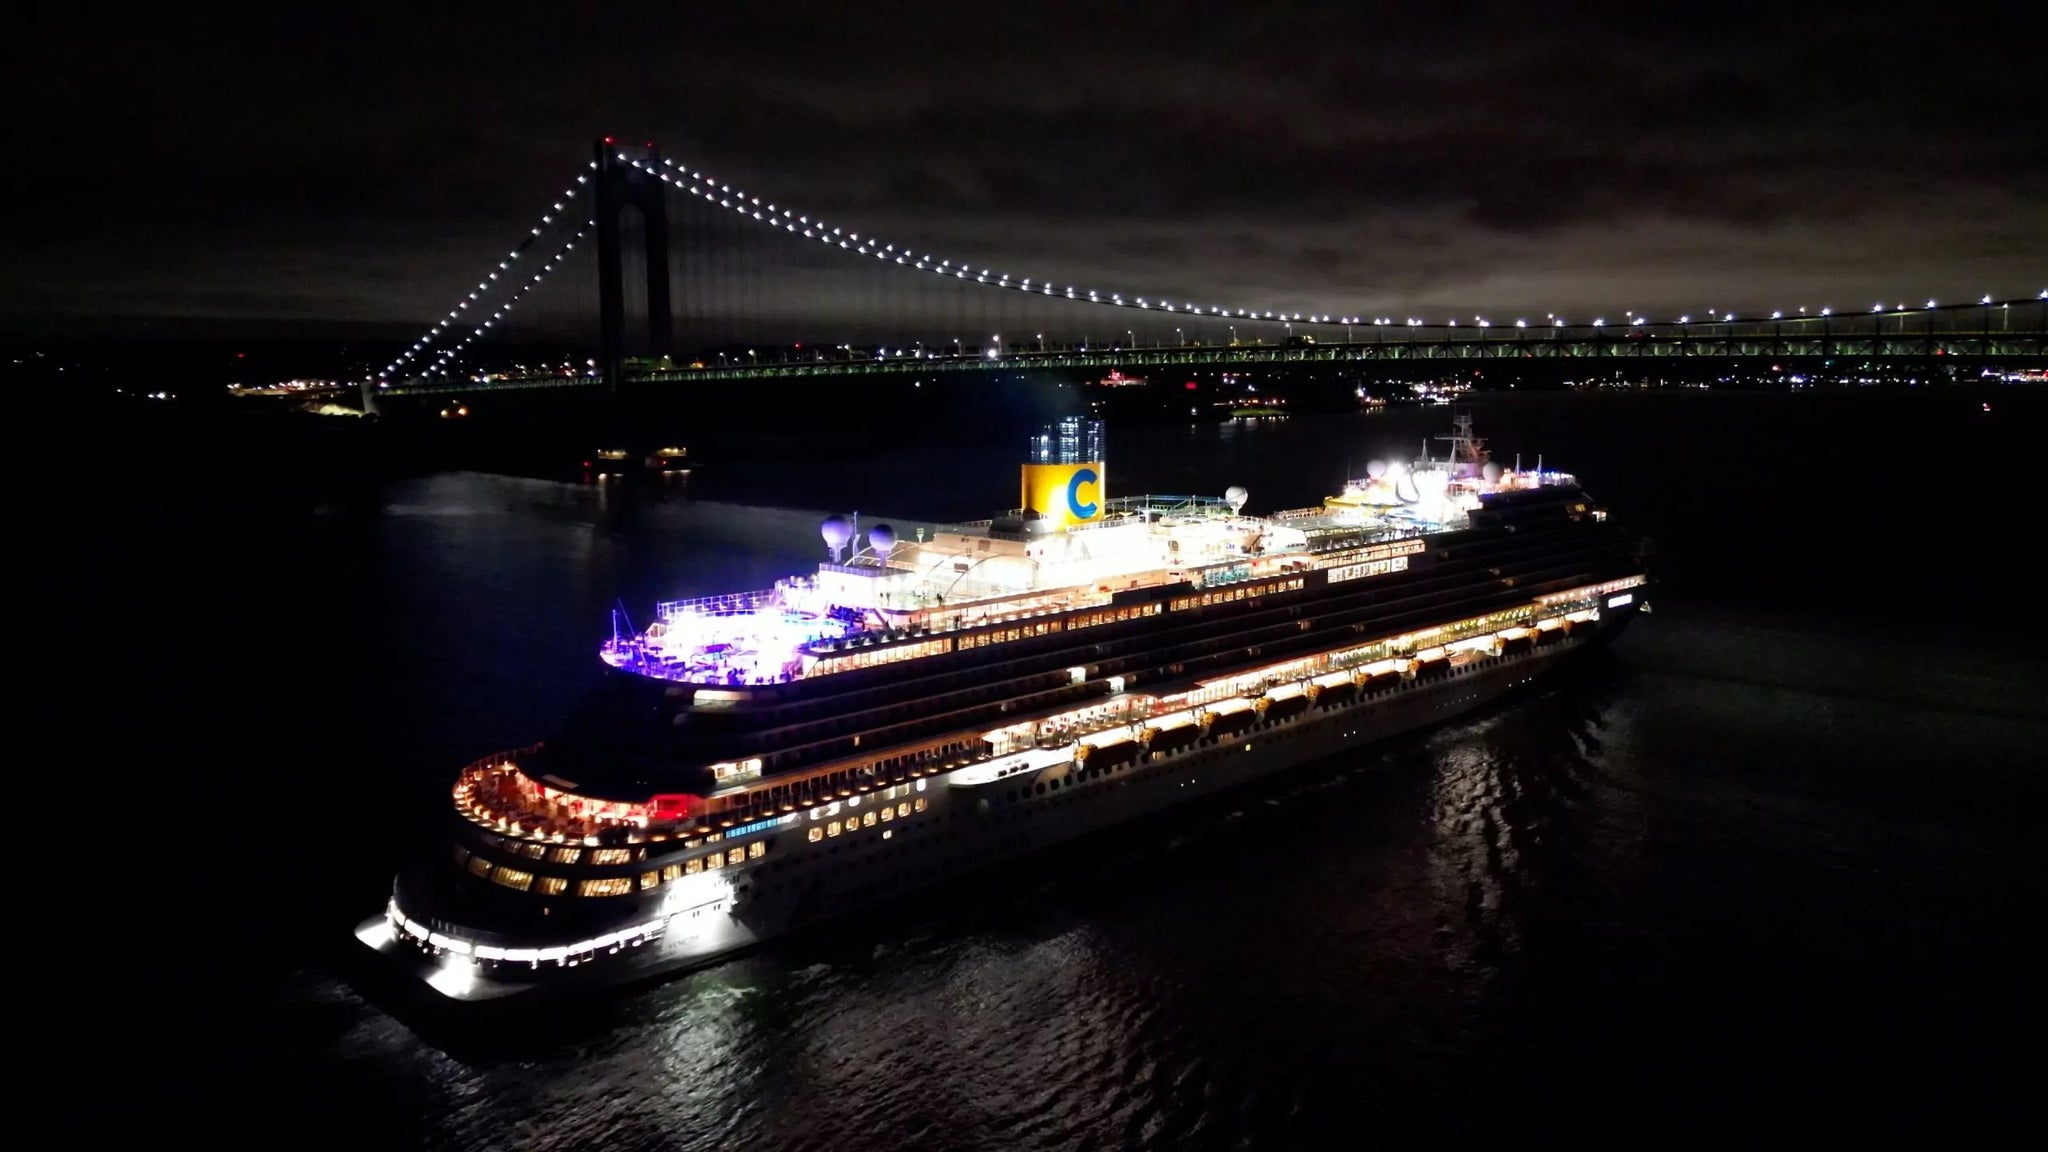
[493, 279]
[736, 200]
[449, 352]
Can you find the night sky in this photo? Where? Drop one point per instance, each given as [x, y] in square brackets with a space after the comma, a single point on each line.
[285, 170]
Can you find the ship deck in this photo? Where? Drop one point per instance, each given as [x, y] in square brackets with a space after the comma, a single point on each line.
[1012, 568]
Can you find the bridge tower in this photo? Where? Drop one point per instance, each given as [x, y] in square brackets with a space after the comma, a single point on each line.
[620, 185]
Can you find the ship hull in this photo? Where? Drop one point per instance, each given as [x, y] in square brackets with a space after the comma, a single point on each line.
[956, 829]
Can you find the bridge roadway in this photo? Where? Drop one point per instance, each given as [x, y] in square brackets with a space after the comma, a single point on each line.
[1863, 338]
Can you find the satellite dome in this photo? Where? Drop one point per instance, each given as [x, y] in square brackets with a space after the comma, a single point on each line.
[1491, 471]
[1235, 496]
[1432, 482]
[881, 538]
[836, 532]
[1376, 468]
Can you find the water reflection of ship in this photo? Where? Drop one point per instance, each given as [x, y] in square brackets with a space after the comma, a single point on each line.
[1532, 769]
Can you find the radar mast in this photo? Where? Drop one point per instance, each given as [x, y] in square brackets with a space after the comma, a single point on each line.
[1468, 452]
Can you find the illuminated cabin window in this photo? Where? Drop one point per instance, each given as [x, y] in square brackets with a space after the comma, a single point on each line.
[551, 886]
[479, 866]
[692, 867]
[921, 805]
[817, 834]
[566, 855]
[735, 855]
[881, 656]
[1114, 616]
[757, 849]
[1368, 568]
[887, 813]
[1238, 593]
[612, 856]
[734, 773]
[612, 886]
[903, 809]
[649, 880]
[533, 851]
[672, 872]
[832, 829]
[512, 878]
[868, 821]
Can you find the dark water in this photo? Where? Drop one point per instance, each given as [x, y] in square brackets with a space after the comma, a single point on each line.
[1767, 868]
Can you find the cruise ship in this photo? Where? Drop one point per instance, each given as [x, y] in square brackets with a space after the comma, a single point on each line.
[767, 760]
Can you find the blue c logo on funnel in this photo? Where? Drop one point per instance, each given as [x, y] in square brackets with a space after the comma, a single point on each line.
[1080, 510]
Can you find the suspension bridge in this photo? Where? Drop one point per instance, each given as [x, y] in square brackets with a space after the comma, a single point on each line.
[679, 249]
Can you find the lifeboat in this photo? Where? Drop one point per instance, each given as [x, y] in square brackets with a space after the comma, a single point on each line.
[1338, 695]
[1287, 709]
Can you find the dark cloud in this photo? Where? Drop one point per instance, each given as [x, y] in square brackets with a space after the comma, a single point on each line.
[363, 166]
